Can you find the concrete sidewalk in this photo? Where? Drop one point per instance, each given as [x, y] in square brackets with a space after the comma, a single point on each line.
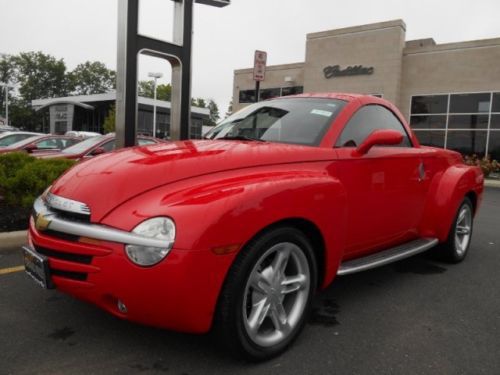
[488, 182]
[13, 239]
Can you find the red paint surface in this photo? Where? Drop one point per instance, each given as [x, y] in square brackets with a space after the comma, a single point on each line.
[223, 193]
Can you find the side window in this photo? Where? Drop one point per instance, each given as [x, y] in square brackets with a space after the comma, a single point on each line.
[143, 142]
[109, 146]
[69, 142]
[365, 121]
[8, 140]
[47, 144]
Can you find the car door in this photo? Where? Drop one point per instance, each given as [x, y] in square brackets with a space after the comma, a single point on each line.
[385, 188]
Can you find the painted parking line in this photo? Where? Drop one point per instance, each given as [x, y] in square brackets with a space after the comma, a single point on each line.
[5, 271]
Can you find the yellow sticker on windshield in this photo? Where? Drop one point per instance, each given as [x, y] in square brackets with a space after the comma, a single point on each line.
[321, 112]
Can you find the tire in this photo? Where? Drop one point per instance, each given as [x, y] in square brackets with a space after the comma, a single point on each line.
[267, 295]
[455, 249]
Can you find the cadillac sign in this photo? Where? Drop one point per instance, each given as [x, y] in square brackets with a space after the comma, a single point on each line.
[354, 70]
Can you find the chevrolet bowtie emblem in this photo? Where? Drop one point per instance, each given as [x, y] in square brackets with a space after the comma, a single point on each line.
[42, 222]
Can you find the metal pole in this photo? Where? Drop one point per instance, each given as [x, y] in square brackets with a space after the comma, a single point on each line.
[257, 91]
[7, 104]
[178, 53]
[126, 73]
[154, 108]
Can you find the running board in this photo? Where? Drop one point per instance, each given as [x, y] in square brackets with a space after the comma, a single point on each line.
[387, 256]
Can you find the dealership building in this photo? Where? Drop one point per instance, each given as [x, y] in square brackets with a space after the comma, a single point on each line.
[88, 112]
[449, 93]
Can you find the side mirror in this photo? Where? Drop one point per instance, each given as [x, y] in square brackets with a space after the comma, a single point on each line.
[98, 151]
[30, 148]
[378, 138]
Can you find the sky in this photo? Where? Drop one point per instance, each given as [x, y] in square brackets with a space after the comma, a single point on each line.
[224, 39]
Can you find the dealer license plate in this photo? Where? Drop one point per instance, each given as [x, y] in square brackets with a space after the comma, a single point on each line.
[37, 267]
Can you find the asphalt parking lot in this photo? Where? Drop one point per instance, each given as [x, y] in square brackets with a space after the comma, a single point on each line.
[417, 316]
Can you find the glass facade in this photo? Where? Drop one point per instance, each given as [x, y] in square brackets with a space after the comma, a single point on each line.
[248, 96]
[467, 122]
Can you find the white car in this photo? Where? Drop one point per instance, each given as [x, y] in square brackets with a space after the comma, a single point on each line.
[9, 138]
[80, 134]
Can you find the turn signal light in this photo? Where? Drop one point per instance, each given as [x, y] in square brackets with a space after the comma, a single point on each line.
[223, 250]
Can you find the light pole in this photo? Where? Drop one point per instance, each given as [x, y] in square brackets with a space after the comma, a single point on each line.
[156, 76]
[6, 102]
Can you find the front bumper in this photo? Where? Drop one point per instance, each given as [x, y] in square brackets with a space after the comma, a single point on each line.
[179, 293]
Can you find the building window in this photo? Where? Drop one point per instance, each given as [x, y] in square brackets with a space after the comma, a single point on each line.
[431, 138]
[496, 102]
[470, 103]
[295, 90]
[494, 145]
[196, 129]
[429, 104]
[270, 93]
[428, 122]
[495, 122]
[467, 142]
[248, 96]
[467, 122]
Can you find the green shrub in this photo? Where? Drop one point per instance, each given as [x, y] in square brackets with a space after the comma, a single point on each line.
[23, 177]
[12, 162]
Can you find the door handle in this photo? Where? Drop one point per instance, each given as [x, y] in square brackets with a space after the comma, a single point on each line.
[421, 172]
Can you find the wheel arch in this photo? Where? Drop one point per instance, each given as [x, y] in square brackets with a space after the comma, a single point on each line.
[312, 232]
[472, 195]
[445, 196]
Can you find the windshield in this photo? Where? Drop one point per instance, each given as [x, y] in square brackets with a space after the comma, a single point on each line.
[84, 145]
[25, 142]
[7, 139]
[293, 120]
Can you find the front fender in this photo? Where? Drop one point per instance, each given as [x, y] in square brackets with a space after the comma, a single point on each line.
[227, 209]
[447, 190]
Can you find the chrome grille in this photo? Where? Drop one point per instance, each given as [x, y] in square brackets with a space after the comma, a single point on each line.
[66, 205]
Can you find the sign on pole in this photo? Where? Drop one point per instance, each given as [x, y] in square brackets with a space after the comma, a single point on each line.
[259, 65]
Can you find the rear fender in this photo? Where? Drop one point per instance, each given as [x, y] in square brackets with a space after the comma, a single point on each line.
[447, 190]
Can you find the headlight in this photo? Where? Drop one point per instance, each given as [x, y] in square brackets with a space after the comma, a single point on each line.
[161, 228]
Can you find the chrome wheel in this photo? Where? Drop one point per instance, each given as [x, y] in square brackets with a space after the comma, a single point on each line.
[463, 229]
[276, 294]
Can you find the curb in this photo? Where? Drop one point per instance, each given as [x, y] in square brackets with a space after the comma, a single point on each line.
[8, 240]
[491, 183]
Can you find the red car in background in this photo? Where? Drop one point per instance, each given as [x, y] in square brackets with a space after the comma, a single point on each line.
[94, 146]
[41, 143]
[239, 231]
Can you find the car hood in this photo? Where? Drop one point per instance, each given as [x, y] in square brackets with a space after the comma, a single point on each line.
[50, 155]
[108, 180]
[43, 154]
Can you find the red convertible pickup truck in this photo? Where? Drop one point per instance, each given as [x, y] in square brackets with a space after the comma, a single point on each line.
[237, 232]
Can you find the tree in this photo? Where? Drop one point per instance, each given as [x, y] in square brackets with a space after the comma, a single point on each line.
[229, 111]
[23, 116]
[110, 121]
[163, 92]
[39, 76]
[6, 77]
[91, 78]
[198, 102]
[214, 116]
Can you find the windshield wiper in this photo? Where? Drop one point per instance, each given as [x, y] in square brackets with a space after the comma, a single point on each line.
[242, 138]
